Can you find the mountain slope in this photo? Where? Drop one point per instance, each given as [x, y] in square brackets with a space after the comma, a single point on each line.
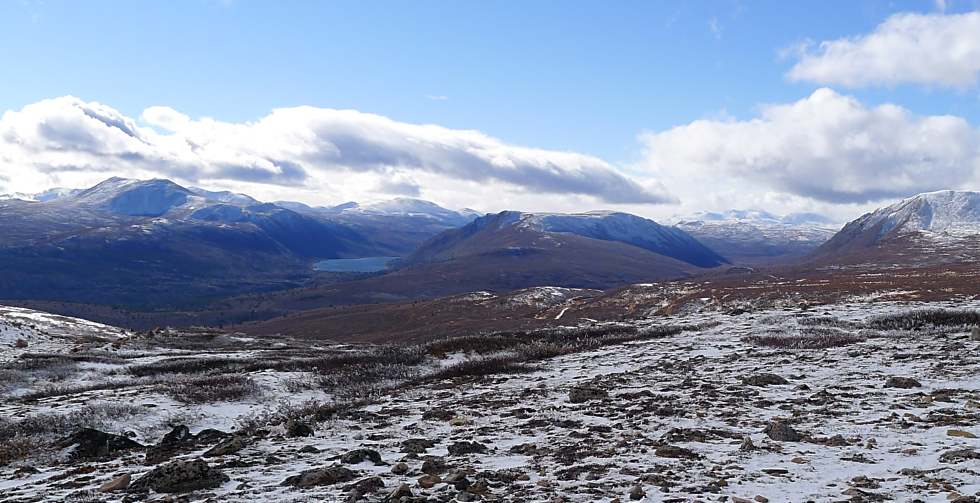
[928, 229]
[511, 230]
[758, 238]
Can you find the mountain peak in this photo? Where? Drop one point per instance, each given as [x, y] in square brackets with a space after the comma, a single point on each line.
[124, 196]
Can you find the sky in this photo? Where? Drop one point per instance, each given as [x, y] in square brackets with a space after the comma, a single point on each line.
[656, 108]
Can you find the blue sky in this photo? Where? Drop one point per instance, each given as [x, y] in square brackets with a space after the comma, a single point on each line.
[585, 77]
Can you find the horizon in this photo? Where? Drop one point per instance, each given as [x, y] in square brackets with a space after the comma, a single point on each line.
[674, 108]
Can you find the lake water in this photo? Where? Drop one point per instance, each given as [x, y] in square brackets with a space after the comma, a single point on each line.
[368, 264]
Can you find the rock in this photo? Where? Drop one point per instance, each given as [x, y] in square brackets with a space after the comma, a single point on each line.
[747, 444]
[458, 421]
[960, 433]
[177, 435]
[761, 499]
[463, 448]
[297, 429]
[89, 443]
[359, 455]
[636, 493]
[117, 484]
[736, 499]
[366, 486]
[837, 440]
[959, 455]
[902, 382]
[320, 477]
[180, 477]
[975, 334]
[465, 496]
[399, 468]
[782, 432]
[764, 380]
[581, 394]
[438, 414]
[434, 464]
[417, 445]
[400, 491]
[309, 449]
[429, 481]
[456, 475]
[230, 446]
[673, 451]
[21, 343]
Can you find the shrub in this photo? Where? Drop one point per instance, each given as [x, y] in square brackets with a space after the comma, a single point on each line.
[211, 388]
[916, 319]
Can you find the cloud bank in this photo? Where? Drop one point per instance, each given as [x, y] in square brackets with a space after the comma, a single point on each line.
[930, 49]
[825, 147]
[55, 140]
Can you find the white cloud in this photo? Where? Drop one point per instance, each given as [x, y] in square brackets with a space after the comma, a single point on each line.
[826, 147]
[930, 49]
[941, 5]
[715, 27]
[434, 97]
[341, 153]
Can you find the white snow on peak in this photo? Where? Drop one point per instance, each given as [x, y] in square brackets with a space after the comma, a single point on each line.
[225, 196]
[942, 212]
[47, 195]
[757, 217]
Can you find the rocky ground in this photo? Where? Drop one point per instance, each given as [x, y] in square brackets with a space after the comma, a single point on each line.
[846, 402]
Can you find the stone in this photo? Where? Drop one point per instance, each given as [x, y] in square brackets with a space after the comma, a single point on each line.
[761, 499]
[438, 414]
[958, 455]
[765, 379]
[230, 446]
[434, 464]
[399, 468]
[400, 491]
[975, 334]
[429, 481]
[320, 477]
[960, 433]
[902, 383]
[417, 445]
[747, 444]
[181, 477]
[837, 440]
[366, 486]
[117, 484]
[309, 449]
[21, 343]
[636, 493]
[580, 394]
[298, 429]
[359, 455]
[736, 499]
[89, 443]
[782, 432]
[465, 496]
[463, 448]
[177, 435]
[673, 451]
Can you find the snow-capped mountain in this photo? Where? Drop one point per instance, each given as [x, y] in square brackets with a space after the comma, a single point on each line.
[755, 237]
[225, 196]
[947, 222]
[47, 195]
[399, 207]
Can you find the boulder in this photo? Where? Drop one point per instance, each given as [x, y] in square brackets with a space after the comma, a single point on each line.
[116, 485]
[230, 446]
[181, 477]
[902, 382]
[359, 455]
[463, 448]
[89, 443]
[320, 477]
[782, 432]
[764, 380]
[581, 394]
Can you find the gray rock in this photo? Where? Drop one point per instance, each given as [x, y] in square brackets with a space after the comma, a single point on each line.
[320, 477]
[399, 468]
[89, 443]
[764, 380]
[975, 334]
[298, 429]
[366, 486]
[230, 446]
[673, 451]
[782, 432]
[463, 448]
[117, 484]
[417, 445]
[902, 382]
[959, 455]
[359, 455]
[400, 491]
[465, 496]
[181, 477]
[434, 464]
[580, 394]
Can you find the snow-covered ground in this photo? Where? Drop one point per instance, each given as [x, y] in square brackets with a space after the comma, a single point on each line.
[676, 418]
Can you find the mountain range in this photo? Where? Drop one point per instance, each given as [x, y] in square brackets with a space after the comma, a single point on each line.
[220, 257]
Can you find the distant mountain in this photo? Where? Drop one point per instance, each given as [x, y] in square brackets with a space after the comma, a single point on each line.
[511, 229]
[152, 242]
[399, 207]
[928, 229]
[759, 238]
[225, 196]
